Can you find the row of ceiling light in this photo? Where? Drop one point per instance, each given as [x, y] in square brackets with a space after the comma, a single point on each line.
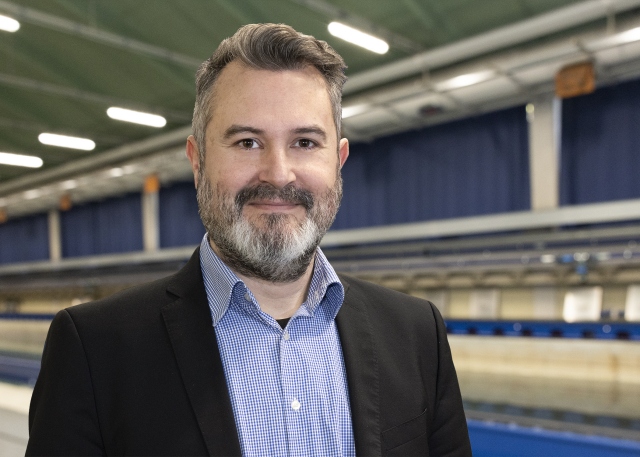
[83, 144]
[9, 24]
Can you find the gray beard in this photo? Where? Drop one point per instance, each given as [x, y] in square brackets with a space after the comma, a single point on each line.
[278, 251]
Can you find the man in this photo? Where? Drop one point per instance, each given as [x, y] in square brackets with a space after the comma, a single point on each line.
[256, 347]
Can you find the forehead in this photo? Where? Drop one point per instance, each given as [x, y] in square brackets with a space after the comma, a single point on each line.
[242, 91]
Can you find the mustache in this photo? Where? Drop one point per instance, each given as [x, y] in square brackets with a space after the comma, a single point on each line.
[288, 194]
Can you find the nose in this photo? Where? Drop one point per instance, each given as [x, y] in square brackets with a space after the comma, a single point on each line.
[276, 168]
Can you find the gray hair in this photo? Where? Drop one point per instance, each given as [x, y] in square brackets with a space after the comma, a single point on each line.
[274, 47]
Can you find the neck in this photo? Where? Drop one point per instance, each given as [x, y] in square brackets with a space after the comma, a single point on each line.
[277, 299]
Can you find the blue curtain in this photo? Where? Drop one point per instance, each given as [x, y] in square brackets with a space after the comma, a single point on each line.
[24, 239]
[179, 220]
[103, 227]
[478, 165]
[600, 138]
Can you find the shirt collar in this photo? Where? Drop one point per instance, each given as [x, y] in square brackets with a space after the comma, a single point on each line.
[220, 282]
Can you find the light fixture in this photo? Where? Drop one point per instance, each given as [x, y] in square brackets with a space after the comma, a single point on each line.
[628, 36]
[69, 184]
[64, 141]
[137, 117]
[116, 172]
[33, 193]
[469, 79]
[358, 38]
[8, 24]
[353, 110]
[19, 160]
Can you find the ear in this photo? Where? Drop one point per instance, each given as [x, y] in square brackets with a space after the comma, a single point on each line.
[343, 151]
[194, 157]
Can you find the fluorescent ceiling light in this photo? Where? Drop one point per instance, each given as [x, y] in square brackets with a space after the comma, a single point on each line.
[66, 141]
[8, 24]
[137, 117]
[69, 184]
[116, 172]
[628, 36]
[33, 193]
[465, 80]
[19, 160]
[358, 38]
[348, 111]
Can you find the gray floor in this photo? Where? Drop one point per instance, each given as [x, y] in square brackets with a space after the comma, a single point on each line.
[14, 432]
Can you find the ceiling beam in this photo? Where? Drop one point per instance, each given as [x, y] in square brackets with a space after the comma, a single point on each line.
[85, 96]
[539, 26]
[336, 13]
[108, 158]
[50, 21]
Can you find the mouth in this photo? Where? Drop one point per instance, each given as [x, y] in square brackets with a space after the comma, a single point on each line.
[273, 205]
[266, 198]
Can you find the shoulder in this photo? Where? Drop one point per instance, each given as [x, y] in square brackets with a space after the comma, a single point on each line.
[144, 301]
[141, 298]
[389, 307]
[376, 293]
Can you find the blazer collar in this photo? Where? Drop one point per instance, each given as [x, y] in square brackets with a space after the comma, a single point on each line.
[192, 336]
[361, 364]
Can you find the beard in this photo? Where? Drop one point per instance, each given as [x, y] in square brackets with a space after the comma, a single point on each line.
[280, 248]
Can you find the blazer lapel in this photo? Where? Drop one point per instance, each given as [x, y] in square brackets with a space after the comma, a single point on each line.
[361, 364]
[193, 339]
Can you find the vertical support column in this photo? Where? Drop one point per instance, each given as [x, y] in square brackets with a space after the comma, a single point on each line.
[150, 214]
[55, 236]
[544, 116]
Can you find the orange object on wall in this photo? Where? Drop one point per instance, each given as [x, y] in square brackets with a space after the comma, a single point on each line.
[576, 79]
[151, 184]
[65, 203]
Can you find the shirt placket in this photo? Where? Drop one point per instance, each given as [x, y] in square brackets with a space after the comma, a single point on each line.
[293, 399]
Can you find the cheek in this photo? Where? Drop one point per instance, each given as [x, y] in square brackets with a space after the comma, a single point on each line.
[321, 181]
[230, 179]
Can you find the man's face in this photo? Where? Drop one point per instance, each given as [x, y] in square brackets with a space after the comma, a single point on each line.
[270, 186]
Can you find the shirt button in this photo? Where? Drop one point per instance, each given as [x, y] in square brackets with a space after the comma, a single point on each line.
[285, 335]
[295, 405]
[247, 296]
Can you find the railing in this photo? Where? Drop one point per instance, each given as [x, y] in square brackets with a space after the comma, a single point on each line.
[19, 369]
[495, 439]
[545, 329]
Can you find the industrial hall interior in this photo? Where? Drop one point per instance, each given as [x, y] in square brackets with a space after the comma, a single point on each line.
[494, 170]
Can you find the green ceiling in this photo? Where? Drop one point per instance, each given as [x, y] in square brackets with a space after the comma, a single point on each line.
[55, 77]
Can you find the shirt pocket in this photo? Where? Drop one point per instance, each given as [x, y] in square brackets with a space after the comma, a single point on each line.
[407, 431]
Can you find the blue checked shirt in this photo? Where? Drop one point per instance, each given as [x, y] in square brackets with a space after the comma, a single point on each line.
[288, 386]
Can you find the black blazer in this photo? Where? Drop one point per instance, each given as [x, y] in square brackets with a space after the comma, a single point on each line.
[139, 373]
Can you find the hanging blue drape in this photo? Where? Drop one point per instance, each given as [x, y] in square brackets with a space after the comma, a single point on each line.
[601, 145]
[474, 166]
[103, 227]
[24, 239]
[179, 220]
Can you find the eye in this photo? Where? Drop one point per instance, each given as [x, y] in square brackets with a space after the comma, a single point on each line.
[248, 143]
[305, 143]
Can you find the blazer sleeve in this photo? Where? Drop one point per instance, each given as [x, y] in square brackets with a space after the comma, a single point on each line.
[449, 434]
[62, 416]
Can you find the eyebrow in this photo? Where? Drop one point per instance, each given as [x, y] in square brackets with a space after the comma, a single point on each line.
[311, 129]
[235, 129]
